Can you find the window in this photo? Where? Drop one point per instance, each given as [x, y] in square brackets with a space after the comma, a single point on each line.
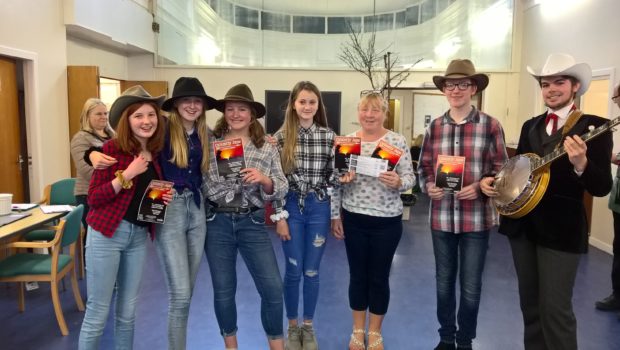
[307, 24]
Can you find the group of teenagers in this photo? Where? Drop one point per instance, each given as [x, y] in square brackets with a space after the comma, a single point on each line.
[119, 153]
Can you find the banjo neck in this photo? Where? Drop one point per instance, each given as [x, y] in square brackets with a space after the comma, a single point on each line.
[559, 152]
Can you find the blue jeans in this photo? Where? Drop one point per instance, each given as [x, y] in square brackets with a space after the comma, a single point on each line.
[303, 252]
[468, 250]
[113, 261]
[246, 233]
[180, 243]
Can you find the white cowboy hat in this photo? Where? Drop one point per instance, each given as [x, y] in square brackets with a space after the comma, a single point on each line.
[563, 64]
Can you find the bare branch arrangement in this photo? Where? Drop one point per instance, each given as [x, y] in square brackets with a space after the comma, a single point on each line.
[360, 54]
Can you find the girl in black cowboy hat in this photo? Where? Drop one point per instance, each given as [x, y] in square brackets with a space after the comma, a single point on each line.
[180, 240]
[236, 221]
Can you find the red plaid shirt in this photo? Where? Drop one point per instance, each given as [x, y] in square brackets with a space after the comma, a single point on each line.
[480, 139]
[107, 208]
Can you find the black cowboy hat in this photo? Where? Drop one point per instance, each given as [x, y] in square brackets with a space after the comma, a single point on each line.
[186, 87]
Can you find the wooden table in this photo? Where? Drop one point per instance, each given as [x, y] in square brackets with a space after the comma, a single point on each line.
[35, 219]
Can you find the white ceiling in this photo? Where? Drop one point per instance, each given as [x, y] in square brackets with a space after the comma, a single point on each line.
[328, 7]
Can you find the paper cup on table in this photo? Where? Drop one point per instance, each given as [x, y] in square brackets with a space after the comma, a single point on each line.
[5, 203]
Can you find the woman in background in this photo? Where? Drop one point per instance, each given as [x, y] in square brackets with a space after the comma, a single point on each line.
[306, 146]
[370, 223]
[94, 131]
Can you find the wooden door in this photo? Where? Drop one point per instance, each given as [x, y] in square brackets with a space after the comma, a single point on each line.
[14, 162]
[82, 84]
[155, 88]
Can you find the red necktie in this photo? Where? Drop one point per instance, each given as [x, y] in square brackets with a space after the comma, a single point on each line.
[552, 117]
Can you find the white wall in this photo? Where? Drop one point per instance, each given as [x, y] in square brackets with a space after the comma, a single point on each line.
[586, 29]
[33, 31]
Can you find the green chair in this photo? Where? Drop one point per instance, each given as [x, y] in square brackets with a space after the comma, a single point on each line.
[26, 267]
[58, 193]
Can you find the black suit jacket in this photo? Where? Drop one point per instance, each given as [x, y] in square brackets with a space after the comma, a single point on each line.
[559, 220]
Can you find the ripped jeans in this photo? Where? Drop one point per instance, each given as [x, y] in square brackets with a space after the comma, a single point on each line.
[309, 231]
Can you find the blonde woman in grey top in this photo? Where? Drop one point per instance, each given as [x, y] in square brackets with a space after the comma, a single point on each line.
[368, 218]
[94, 131]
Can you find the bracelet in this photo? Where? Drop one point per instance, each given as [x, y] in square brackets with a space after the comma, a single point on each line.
[279, 216]
[125, 184]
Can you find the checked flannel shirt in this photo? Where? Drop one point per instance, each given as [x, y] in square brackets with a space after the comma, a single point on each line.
[107, 208]
[480, 139]
[314, 161]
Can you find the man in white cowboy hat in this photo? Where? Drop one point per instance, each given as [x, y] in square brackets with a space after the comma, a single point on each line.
[460, 221]
[547, 242]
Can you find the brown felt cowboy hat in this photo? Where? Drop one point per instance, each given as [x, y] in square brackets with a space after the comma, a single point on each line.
[460, 69]
[241, 93]
[188, 87]
[130, 96]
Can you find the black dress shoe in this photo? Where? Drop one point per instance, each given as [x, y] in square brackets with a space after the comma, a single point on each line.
[610, 303]
[445, 346]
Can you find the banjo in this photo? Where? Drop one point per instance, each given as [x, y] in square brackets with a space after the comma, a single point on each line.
[523, 180]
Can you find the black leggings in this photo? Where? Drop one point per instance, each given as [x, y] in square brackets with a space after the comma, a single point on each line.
[371, 242]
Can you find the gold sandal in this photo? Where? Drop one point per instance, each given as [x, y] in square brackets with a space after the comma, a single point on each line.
[378, 341]
[357, 344]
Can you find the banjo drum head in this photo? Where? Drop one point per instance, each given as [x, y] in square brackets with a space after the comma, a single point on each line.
[512, 180]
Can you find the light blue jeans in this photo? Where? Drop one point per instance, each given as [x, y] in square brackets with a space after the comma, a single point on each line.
[303, 252]
[180, 243]
[246, 233]
[464, 253]
[113, 261]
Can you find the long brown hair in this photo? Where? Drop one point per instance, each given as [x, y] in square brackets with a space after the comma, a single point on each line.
[257, 133]
[178, 143]
[291, 123]
[126, 140]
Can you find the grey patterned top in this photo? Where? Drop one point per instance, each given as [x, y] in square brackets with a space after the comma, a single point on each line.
[366, 195]
[234, 193]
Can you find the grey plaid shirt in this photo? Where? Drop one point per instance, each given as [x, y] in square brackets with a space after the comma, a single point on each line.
[314, 157]
[234, 193]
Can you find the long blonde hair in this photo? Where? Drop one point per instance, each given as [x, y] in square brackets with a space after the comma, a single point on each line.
[89, 105]
[178, 142]
[291, 123]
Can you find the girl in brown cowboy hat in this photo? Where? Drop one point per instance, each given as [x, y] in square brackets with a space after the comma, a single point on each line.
[236, 219]
[115, 245]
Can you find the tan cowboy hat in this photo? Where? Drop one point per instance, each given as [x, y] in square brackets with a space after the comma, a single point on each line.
[459, 69]
[241, 93]
[563, 64]
[130, 96]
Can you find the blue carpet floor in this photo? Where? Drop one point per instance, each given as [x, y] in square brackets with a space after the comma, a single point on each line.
[410, 322]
